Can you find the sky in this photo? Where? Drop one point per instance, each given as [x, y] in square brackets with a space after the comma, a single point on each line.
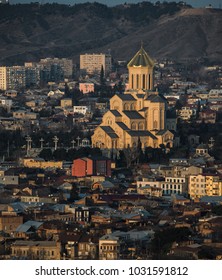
[194, 3]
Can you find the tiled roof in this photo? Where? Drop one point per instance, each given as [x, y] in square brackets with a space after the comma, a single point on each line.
[122, 125]
[109, 131]
[115, 113]
[133, 115]
[141, 133]
[126, 97]
[156, 98]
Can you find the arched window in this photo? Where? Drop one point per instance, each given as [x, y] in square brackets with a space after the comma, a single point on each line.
[126, 107]
[115, 106]
[144, 81]
[155, 125]
[134, 126]
[141, 126]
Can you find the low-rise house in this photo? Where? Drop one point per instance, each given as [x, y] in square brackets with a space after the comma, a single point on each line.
[91, 166]
[210, 229]
[36, 250]
[81, 109]
[109, 247]
[86, 87]
[27, 230]
[186, 113]
[207, 116]
[10, 222]
[88, 247]
[41, 163]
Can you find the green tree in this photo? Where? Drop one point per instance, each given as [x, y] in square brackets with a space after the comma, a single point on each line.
[60, 154]
[102, 76]
[46, 154]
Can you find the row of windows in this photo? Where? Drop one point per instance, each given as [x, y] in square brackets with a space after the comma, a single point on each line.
[37, 253]
[109, 247]
[172, 187]
[175, 180]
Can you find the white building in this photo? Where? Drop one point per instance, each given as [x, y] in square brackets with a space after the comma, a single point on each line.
[186, 113]
[174, 185]
[81, 109]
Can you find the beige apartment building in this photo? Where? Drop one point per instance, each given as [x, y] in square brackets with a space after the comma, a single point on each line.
[204, 185]
[93, 63]
[197, 186]
[213, 185]
[12, 77]
[3, 81]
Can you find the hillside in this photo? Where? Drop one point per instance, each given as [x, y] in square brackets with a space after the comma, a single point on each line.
[29, 32]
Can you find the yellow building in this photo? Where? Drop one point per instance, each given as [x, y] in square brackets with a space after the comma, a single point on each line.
[204, 185]
[138, 114]
[41, 163]
[213, 185]
[197, 186]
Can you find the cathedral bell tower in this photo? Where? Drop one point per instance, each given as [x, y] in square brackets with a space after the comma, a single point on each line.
[140, 70]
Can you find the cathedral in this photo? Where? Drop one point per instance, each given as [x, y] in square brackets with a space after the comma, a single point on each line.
[137, 115]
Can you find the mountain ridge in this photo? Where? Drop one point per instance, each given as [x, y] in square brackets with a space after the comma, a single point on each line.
[174, 31]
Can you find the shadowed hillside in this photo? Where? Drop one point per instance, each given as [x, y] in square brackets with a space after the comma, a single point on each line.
[29, 32]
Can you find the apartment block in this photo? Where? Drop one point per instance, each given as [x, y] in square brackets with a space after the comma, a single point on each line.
[213, 185]
[174, 185]
[93, 63]
[197, 186]
[65, 64]
[3, 80]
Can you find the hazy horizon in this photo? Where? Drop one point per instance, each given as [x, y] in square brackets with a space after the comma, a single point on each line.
[194, 3]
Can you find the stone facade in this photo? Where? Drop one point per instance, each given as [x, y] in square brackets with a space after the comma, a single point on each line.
[137, 115]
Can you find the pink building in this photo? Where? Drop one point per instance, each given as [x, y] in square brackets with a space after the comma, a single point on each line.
[86, 87]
